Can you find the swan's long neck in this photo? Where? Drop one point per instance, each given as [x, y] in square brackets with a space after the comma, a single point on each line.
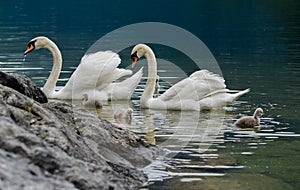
[49, 87]
[152, 73]
[256, 116]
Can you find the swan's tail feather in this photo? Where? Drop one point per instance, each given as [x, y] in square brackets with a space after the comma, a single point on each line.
[222, 91]
[220, 98]
[241, 93]
[124, 89]
[118, 73]
[133, 81]
[216, 92]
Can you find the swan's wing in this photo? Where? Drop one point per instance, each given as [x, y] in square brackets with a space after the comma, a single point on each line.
[96, 70]
[195, 87]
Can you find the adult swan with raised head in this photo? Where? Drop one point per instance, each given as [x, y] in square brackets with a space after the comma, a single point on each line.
[95, 75]
[202, 90]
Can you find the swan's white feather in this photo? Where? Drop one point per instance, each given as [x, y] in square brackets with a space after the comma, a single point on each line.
[95, 70]
[195, 87]
[123, 90]
[98, 71]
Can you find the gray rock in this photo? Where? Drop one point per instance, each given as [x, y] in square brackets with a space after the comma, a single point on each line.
[57, 145]
[24, 85]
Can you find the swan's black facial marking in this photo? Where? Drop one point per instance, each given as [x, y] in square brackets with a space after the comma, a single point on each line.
[134, 58]
[31, 47]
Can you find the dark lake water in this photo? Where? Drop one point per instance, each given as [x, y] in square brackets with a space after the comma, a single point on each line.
[257, 46]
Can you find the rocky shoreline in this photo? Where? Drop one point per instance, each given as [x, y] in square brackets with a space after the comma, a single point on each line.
[56, 145]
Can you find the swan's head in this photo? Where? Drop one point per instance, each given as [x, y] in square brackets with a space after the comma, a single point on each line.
[37, 43]
[258, 112]
[139, 51]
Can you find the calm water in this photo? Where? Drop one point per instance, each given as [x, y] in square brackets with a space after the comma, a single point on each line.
[257, 46]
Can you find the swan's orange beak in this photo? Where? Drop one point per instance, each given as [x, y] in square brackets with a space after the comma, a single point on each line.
[29, 49]
[134, 60]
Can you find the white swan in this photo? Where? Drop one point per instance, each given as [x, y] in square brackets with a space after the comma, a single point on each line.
[94, 75]
[250, 121]
[202, 90]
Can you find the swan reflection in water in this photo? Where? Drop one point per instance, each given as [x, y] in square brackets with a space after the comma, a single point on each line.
[174, 130]
[177, 130]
